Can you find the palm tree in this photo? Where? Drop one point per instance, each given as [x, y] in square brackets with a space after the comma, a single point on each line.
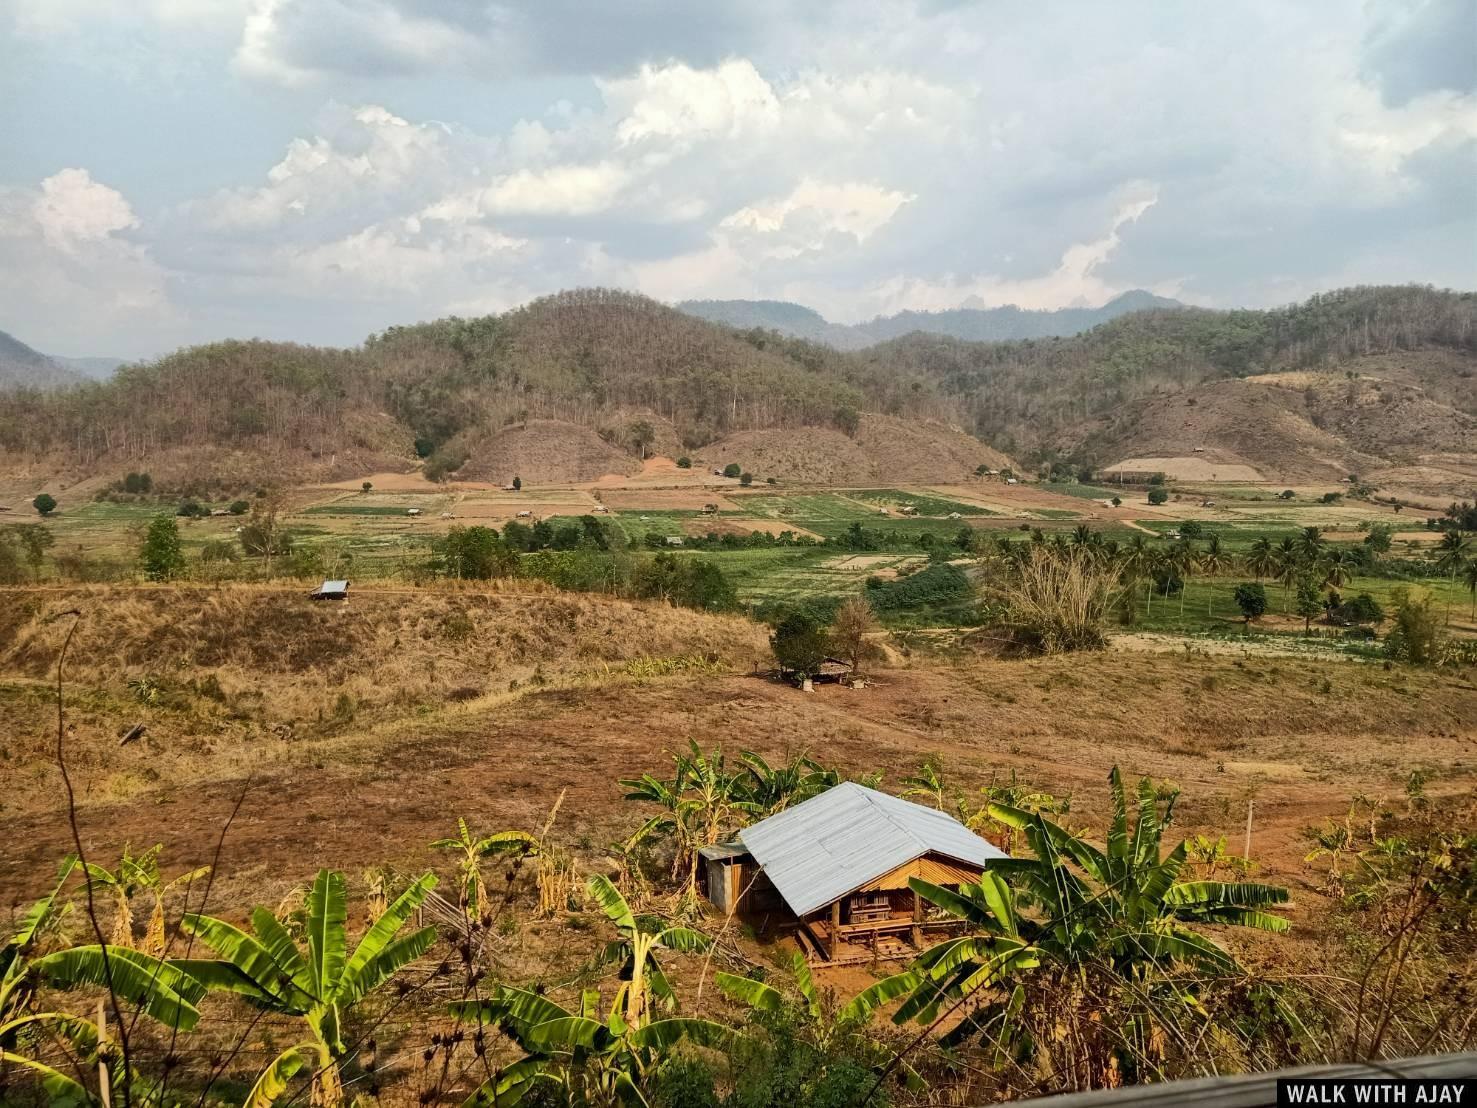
[1289, 566]
[1453, 553]
[1181, 559]
[474, 848]
[1338, 567]
[1214, 561]
[1138, 565]
[642, 976]
[1262, 561]
[1469, 578]
[1112, 925]
[1310, 543]
[319, 986]
[1013, 794]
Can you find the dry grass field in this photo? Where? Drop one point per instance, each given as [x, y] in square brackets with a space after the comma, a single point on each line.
[359, 733]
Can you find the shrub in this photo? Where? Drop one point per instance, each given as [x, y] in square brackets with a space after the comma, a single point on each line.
[1286, 494]
[517, 484]
[444, 462]
[160, 555]
[44, 504]
[799, 644]
[939, 585]
[424, 448]
[746, 479]
[239, 507]
[1053, 602]
[732, 469]
[850, 631]
[1251, 598]
[1363, 609]
[190, 509]
[1330, 498]
[684, 462]
[474, 554]
[1416, 636]
[1191, 529]
[1158, 496]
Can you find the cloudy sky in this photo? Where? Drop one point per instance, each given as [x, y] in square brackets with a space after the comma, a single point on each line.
[180, 170]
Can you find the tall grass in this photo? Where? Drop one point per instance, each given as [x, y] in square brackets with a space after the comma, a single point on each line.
[1052, 601]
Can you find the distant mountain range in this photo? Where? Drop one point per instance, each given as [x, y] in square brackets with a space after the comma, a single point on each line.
[24, 366]
[972, 324]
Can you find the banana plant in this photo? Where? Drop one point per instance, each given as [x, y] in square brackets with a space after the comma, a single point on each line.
[1117, 916]
[767, 789]
[702, 804]
[474, 849]
[160, 990]
[824, 1024]
[133, 877]
[597, 1062]
[319, 985]
[642, 976]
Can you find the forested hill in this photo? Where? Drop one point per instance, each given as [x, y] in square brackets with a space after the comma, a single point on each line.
[1041, 398]
[20, 365]
[584, 382]
[973, 324]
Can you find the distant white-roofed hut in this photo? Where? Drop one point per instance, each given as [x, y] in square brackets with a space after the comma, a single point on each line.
[331, 590]
[835, 869]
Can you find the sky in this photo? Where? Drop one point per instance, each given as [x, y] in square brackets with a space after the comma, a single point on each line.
[179, 171]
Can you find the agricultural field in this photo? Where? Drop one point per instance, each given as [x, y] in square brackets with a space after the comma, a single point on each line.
[268, 723]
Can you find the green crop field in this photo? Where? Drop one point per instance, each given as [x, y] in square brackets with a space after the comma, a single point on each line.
[929, 504]
[804, 507]
[1091, 492]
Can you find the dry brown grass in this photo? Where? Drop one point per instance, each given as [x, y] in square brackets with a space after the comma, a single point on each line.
[233, 677]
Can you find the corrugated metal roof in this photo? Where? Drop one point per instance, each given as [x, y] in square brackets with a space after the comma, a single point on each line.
[834, 843]
[720, 851]
[333, 586]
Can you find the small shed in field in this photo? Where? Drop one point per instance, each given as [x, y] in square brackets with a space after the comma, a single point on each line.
[835, 870]
[331, 590]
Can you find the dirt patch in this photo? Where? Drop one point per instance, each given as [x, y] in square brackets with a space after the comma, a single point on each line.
[883, 450]
[1188, 469]
[728, 525]
[1309, 732]
[666, 500]
[1397, 536]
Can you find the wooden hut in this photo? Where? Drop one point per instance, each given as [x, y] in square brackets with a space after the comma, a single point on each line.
[835, 871]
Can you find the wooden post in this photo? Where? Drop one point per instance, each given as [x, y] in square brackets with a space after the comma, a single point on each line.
[105, 1087]
[917, 919]
[1250, 804]
[835, 929]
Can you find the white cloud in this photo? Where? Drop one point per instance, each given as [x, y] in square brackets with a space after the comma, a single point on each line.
[860, 158]
[293, 43]
[1074, 282]
[70, 279]
[679, 104]
[806, 219]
